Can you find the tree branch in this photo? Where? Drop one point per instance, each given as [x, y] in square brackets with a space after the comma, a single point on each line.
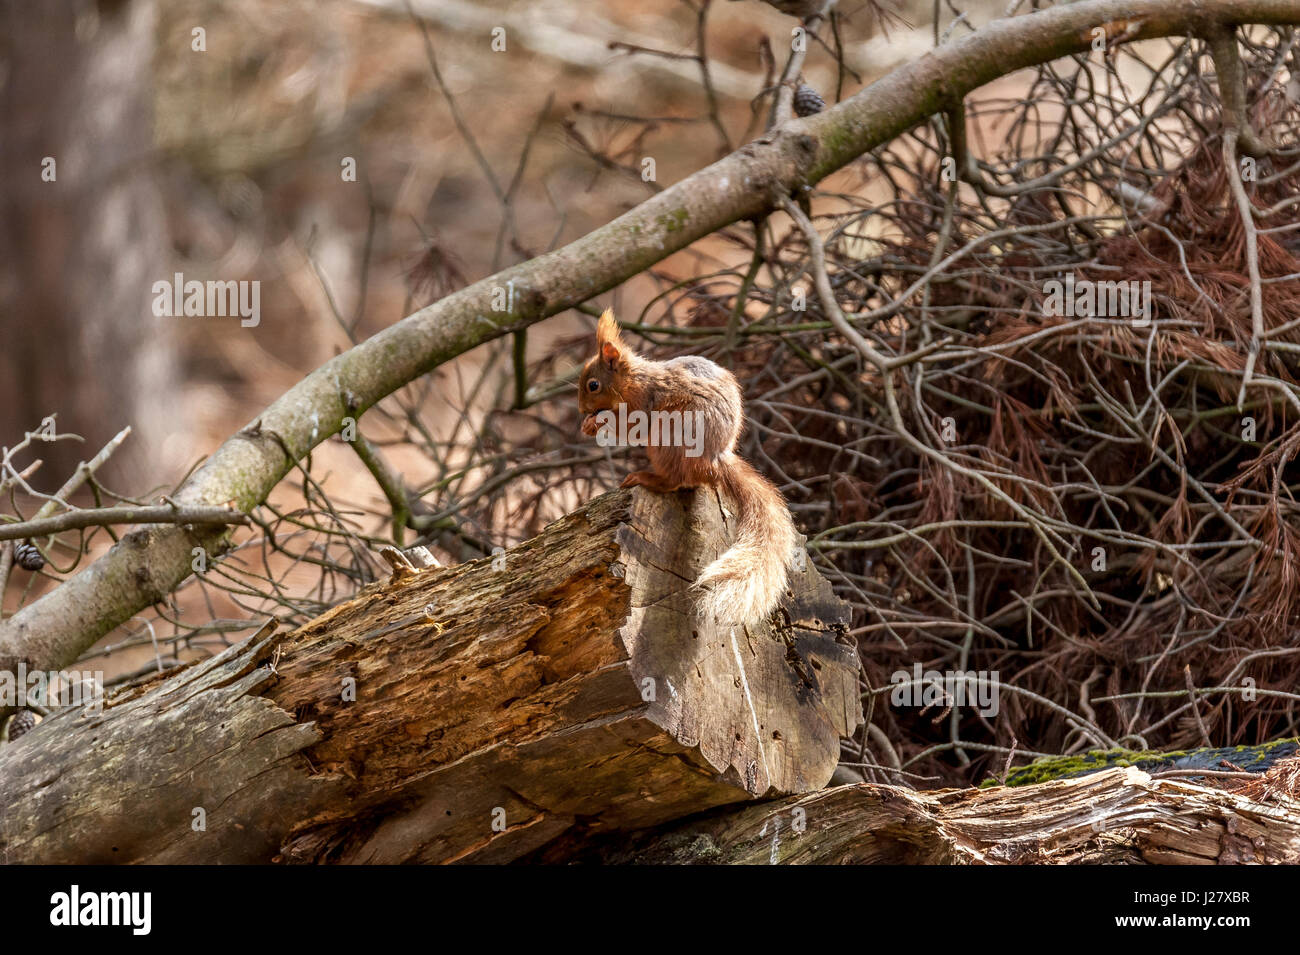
[104, 516]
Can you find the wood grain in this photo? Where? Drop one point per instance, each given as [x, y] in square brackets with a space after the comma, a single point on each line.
[473, 713]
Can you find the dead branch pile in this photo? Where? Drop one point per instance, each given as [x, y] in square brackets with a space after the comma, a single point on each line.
[1098, 507]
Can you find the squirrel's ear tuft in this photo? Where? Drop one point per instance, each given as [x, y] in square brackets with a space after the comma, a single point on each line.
[608, 340]
[607, 329]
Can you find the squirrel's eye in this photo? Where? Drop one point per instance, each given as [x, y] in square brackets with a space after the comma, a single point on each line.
[593, 385]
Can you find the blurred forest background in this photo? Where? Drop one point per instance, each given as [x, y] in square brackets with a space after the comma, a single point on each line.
[226, 163]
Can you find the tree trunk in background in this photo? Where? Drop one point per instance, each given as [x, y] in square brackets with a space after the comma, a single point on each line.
[78, 255]
[1115, 817]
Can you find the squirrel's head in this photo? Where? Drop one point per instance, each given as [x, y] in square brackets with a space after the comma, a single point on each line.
[601, 385]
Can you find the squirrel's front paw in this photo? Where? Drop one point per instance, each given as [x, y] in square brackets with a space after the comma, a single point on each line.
[590, 425]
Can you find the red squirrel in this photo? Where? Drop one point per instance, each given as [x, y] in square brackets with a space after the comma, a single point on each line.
[745, 584]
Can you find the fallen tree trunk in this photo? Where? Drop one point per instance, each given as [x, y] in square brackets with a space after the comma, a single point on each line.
[558, 703]
[466, 714]
[1117, 816]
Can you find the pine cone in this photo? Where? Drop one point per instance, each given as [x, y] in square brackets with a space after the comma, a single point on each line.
[807, 101]
[23, 721]
[27, 556]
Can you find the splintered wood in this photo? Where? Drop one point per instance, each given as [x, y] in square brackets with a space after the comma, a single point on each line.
[474, 713]
[1117, 817]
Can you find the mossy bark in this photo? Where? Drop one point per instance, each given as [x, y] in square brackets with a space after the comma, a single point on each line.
[1255, 759]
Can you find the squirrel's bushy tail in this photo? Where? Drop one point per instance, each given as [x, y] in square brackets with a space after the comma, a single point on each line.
[745, 584]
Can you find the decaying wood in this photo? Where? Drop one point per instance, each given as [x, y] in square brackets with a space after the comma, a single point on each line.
[1118, 816]
[472, 713]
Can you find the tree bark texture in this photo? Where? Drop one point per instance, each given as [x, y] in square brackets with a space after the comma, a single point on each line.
[1117, 816]
[472, 713]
